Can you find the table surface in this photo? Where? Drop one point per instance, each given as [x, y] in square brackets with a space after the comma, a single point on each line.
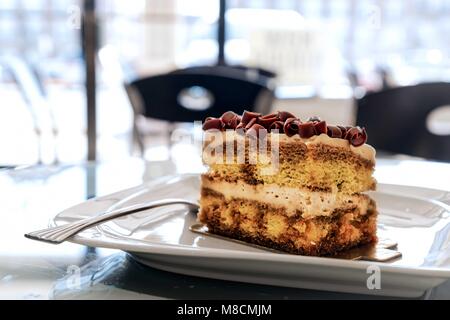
[34, 270]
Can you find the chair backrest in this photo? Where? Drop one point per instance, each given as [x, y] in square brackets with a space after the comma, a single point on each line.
[186, 97]
[254, 74]
[396, 120]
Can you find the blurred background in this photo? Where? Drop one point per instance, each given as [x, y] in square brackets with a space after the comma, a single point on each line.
[110, 79]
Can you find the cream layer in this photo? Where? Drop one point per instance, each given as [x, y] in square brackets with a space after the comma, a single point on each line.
[309, 203]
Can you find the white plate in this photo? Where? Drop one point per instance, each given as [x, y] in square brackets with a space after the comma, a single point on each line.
[418, 219]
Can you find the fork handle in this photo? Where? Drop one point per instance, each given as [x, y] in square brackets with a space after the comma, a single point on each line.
[60, 234]
[136, 208]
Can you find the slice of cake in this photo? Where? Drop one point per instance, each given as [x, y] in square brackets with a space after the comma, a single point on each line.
[287, 184]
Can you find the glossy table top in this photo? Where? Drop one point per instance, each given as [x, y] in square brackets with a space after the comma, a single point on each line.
[31, 196]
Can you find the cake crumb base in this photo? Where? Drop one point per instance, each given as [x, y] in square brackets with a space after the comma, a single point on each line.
[268, 226]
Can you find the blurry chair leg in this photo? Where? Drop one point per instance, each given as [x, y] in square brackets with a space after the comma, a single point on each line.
[264, 102]
[39, 144]
[170, 129]
[55, 135]
[137, 139]
[136, 106]
[55, 146]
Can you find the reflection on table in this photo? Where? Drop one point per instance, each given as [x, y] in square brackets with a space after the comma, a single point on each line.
[35, 270]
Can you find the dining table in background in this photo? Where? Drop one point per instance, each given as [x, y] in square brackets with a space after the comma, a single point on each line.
[33, 195]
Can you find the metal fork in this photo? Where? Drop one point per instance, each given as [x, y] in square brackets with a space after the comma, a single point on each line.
[60, 234]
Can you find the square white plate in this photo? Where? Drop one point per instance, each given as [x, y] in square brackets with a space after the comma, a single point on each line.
[417, 218]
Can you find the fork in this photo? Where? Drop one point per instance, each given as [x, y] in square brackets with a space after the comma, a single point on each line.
[59, 234]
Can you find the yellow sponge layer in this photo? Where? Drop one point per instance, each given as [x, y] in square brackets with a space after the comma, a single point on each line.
[342, 176]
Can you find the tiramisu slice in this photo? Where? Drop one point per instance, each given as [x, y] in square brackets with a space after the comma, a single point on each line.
[288, 184]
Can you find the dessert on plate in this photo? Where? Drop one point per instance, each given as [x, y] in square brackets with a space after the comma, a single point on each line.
[288, 184]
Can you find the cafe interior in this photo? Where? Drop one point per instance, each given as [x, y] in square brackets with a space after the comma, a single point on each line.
[95, 80]
[97, 96]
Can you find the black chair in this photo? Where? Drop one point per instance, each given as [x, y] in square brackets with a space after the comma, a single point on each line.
[396, 120]
[193, 96]
[259, 75]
